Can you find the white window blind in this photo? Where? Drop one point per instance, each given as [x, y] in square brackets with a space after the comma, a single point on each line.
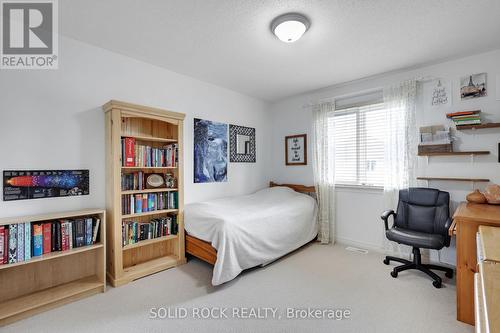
[359, 145]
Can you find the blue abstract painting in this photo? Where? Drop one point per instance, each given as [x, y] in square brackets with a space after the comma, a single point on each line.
[210, 151]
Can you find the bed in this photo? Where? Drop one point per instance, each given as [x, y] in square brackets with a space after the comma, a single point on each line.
[242, 232]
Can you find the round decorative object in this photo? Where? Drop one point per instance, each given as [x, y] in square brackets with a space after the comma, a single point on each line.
[492, 194]
[155, 180]
[476, 197]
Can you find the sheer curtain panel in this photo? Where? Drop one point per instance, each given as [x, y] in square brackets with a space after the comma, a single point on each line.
[323, 167]
[401, 141]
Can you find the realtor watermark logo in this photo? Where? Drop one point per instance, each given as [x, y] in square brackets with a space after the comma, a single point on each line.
[29, 31]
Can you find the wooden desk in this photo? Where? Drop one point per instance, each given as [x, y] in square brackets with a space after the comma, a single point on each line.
[467, 219]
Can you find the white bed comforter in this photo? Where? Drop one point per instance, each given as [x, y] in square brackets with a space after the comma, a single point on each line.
[254, 229]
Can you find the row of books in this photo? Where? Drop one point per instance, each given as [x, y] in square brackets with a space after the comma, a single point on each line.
[133, 181]
[464, 118]
[136, 155]
[138, 180]
[134, 232]
[148, 202]
[22, 241]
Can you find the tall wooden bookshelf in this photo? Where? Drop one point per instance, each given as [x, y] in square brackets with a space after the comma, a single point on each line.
[156, 128]
[52, 279]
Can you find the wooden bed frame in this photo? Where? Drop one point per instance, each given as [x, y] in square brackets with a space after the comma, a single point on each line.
[206, 252]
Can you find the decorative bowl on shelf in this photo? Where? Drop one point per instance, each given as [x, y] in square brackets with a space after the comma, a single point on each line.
[154, 180]
[476, 197]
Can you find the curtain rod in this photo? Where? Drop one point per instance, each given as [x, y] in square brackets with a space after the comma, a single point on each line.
[332, 99]
[420, 79]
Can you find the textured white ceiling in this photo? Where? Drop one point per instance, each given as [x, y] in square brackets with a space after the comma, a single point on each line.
[228, 42]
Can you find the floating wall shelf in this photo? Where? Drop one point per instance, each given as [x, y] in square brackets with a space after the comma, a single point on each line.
[456, 153]
[474, 180]
[473, 127]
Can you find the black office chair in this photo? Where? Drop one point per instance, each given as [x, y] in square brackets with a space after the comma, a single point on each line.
[422, 221]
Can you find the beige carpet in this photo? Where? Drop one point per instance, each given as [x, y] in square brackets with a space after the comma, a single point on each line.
[316, 276]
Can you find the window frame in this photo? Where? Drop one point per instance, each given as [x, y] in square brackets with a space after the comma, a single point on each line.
[355, 109]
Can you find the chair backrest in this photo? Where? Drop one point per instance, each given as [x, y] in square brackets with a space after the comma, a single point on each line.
[423, 209]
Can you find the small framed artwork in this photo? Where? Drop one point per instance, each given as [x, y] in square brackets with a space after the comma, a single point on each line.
[242, 144]
[441, 94]
[296, 149]
[473, 86]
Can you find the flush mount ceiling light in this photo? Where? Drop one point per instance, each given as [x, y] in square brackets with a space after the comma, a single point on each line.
[290, 27]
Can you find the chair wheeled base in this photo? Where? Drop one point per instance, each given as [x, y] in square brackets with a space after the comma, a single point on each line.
[417, 264]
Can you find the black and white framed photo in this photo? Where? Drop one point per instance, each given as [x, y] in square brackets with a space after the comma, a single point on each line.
[296, 149]
[473, 86]
[242, 144]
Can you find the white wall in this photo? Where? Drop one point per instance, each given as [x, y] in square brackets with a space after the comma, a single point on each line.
[53, 120]
[358, 211]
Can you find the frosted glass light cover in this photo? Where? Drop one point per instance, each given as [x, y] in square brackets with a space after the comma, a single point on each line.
[290, 31]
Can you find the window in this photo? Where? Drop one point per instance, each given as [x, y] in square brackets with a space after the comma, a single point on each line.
[359, 145]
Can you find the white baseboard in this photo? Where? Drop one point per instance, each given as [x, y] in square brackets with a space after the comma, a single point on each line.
[376, 248]
[367, 246]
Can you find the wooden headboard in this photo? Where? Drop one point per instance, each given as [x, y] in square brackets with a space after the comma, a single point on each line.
[296, 187]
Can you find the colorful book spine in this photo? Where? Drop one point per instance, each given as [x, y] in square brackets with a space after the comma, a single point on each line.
[47, 239]
[12, 243]
[53, 238]
[467, 122]
[138, 204]
[88, 231]
[6, 245]
[2, 243]
[58, 236]
[462, 113]
[70, 234]
[129, 152]
[27, 241]
[38, 240]
[80, 233]
[65, 236]
[96, 230]
[20, 242]
[145, 202]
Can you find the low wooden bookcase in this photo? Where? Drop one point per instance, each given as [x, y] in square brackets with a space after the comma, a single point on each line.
[154, 128]
[53, 279]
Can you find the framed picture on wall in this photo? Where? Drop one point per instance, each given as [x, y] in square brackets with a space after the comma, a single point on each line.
[296, 149]
[241, 144]
[210, 151]
[473, 86]
[38, 184]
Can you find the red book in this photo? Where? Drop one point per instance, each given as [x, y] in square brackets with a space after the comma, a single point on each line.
[2, 243]
[47, 240]
[462, 113]
[129, 152]
[64, 236]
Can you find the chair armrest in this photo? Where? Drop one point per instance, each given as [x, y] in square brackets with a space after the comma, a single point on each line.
[447, 236]
[385, 217]
[447, 225]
